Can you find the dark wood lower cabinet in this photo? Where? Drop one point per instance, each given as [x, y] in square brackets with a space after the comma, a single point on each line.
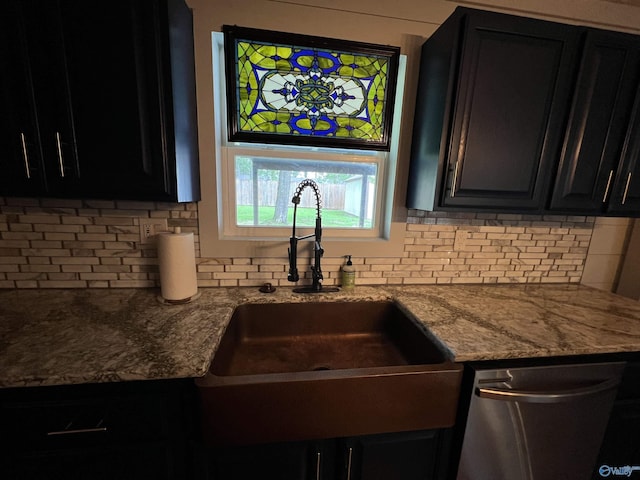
[136, 430]
[419, 455]
[621, 445]
[137, 462]
[285, 461]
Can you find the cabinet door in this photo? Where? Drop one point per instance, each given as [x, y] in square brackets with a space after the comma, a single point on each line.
[127, 463]
[101, 431]
[284, 461]
[407, 456]
[113, 63]
[20, 155]
[45, 47]
[620, 447]
[512, 97]
[110, 97]
[625, 196]
[600, 113]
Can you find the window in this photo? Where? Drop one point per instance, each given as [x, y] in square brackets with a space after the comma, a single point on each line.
[257, 180]
[302, 90]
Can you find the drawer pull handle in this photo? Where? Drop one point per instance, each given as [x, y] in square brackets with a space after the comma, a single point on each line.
[349, 463]
[25, 156]
[59, 149]
[79, 430]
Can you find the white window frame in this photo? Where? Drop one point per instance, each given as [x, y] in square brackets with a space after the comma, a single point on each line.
[225, 229]
[231, 231]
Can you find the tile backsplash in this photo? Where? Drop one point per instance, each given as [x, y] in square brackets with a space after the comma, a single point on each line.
[50, 243]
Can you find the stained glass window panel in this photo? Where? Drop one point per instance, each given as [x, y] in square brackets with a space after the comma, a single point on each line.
[294, 89]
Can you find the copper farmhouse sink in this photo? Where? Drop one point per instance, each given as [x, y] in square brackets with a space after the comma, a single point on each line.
[293, 371]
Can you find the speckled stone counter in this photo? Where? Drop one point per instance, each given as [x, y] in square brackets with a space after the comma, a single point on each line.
[53, 337]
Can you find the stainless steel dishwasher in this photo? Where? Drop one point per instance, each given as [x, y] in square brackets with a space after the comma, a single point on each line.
[537, 423]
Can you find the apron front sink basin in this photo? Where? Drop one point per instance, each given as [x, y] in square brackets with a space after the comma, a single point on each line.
[305, 337]
[294, 371]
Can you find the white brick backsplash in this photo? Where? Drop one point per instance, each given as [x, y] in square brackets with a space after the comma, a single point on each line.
[50, 243]
[58, 228]
[259, 276]
[210, 268]
[132, 283]
[241, 268]
[21, 236]
[40, 219]
[229, 275]
[76, 268]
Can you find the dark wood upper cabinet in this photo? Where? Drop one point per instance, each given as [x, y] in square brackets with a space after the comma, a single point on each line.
[105, 97]
[501, 97]
[625, 190]
[589, 175]
[526, 116]
[20, 154]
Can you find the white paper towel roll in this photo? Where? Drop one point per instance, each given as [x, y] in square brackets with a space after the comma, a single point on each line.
[176, 254]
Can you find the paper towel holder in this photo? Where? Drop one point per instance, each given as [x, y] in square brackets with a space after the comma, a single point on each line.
[177, 267]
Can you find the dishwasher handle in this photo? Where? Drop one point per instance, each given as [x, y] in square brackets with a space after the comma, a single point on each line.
[556, 396]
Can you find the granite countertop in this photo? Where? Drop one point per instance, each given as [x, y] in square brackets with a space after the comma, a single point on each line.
[54, 337]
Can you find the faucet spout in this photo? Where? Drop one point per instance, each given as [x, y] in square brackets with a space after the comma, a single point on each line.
[318, 251]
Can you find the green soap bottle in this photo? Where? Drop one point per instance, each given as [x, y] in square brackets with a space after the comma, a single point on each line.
[348, 275]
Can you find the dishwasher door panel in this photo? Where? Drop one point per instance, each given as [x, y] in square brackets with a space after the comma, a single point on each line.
[537, 423]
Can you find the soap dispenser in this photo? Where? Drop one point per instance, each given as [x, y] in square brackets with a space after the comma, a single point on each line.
[348, 275]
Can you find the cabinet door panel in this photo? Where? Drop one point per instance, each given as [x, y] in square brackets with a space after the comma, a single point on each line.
[20, 155]
[620, 446]
[51, 92]
[625, 198]
[284, 461]
[129, 430]
[115, 97]
[513, 91]
[406, 456]
[600, 112]
[98, 101]
[133, 463]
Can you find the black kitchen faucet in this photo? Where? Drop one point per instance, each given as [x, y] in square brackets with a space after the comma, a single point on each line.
[318, 251]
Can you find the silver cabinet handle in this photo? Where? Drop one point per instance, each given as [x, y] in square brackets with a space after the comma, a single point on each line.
[546, 397]
[25, 156]
[606, 192]
[318, 460]
[349, 463]
[626, 188]
[455, 179]
[80, 430]
[59, 148]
